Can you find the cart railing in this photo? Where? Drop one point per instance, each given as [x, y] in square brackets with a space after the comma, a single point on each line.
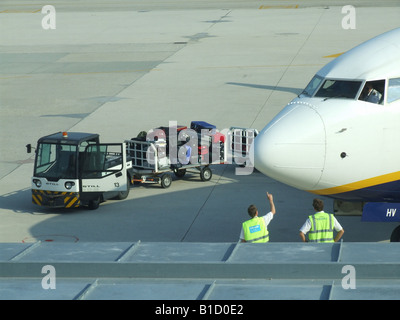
[144, 154]
[236, 148]
[241, 140]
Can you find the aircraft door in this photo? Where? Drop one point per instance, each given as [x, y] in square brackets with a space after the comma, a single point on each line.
[103, 168]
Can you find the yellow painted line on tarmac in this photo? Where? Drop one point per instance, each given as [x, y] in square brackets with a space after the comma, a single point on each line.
[335, 55]
[21, 11]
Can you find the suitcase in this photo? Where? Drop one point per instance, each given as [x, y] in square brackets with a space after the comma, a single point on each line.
[199, 125]
[203, 152]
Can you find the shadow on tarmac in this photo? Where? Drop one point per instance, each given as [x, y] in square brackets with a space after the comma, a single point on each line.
[296, 91]
[190, 211]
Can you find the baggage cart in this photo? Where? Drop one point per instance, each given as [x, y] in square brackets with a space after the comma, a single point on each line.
[152, 164]
[241, 141]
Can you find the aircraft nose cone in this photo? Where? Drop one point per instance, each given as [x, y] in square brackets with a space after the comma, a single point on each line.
[291, 148]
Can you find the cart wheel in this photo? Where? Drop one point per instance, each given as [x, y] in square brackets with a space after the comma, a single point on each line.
[166, 180]
[180, 172]
[205, 174]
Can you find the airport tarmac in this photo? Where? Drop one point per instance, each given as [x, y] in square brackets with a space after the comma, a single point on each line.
[118, 69]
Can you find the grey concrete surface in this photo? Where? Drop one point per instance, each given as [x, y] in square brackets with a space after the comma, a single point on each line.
[199, 271]
[118, 69]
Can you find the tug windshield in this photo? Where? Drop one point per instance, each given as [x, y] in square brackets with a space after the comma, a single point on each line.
[56, 161]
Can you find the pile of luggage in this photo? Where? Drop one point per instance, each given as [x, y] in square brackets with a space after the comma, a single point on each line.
[181, 141]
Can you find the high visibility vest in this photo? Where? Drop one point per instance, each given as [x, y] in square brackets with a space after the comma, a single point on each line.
[322, 225]
[255, 230]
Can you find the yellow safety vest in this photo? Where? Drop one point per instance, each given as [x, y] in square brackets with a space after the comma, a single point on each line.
[322, 225]
[255, 230]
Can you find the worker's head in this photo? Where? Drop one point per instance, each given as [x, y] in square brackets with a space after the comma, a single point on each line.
[318, 205]
[252, 210]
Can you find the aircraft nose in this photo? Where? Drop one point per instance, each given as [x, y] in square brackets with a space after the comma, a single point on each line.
[291, 148]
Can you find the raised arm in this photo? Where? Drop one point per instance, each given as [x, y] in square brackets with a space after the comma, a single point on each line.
[271, 203]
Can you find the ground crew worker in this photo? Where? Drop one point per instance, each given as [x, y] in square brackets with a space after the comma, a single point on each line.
[320, 226]
[255, 230]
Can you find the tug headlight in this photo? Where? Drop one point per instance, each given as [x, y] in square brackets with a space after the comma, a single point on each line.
[69, 184]
[37, 183]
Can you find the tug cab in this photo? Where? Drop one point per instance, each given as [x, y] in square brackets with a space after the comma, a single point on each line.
[74, 169]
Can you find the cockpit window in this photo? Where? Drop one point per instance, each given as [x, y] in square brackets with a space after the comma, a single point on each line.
[393, 90]
[373, 92]
[339, 89]
[312, 86]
